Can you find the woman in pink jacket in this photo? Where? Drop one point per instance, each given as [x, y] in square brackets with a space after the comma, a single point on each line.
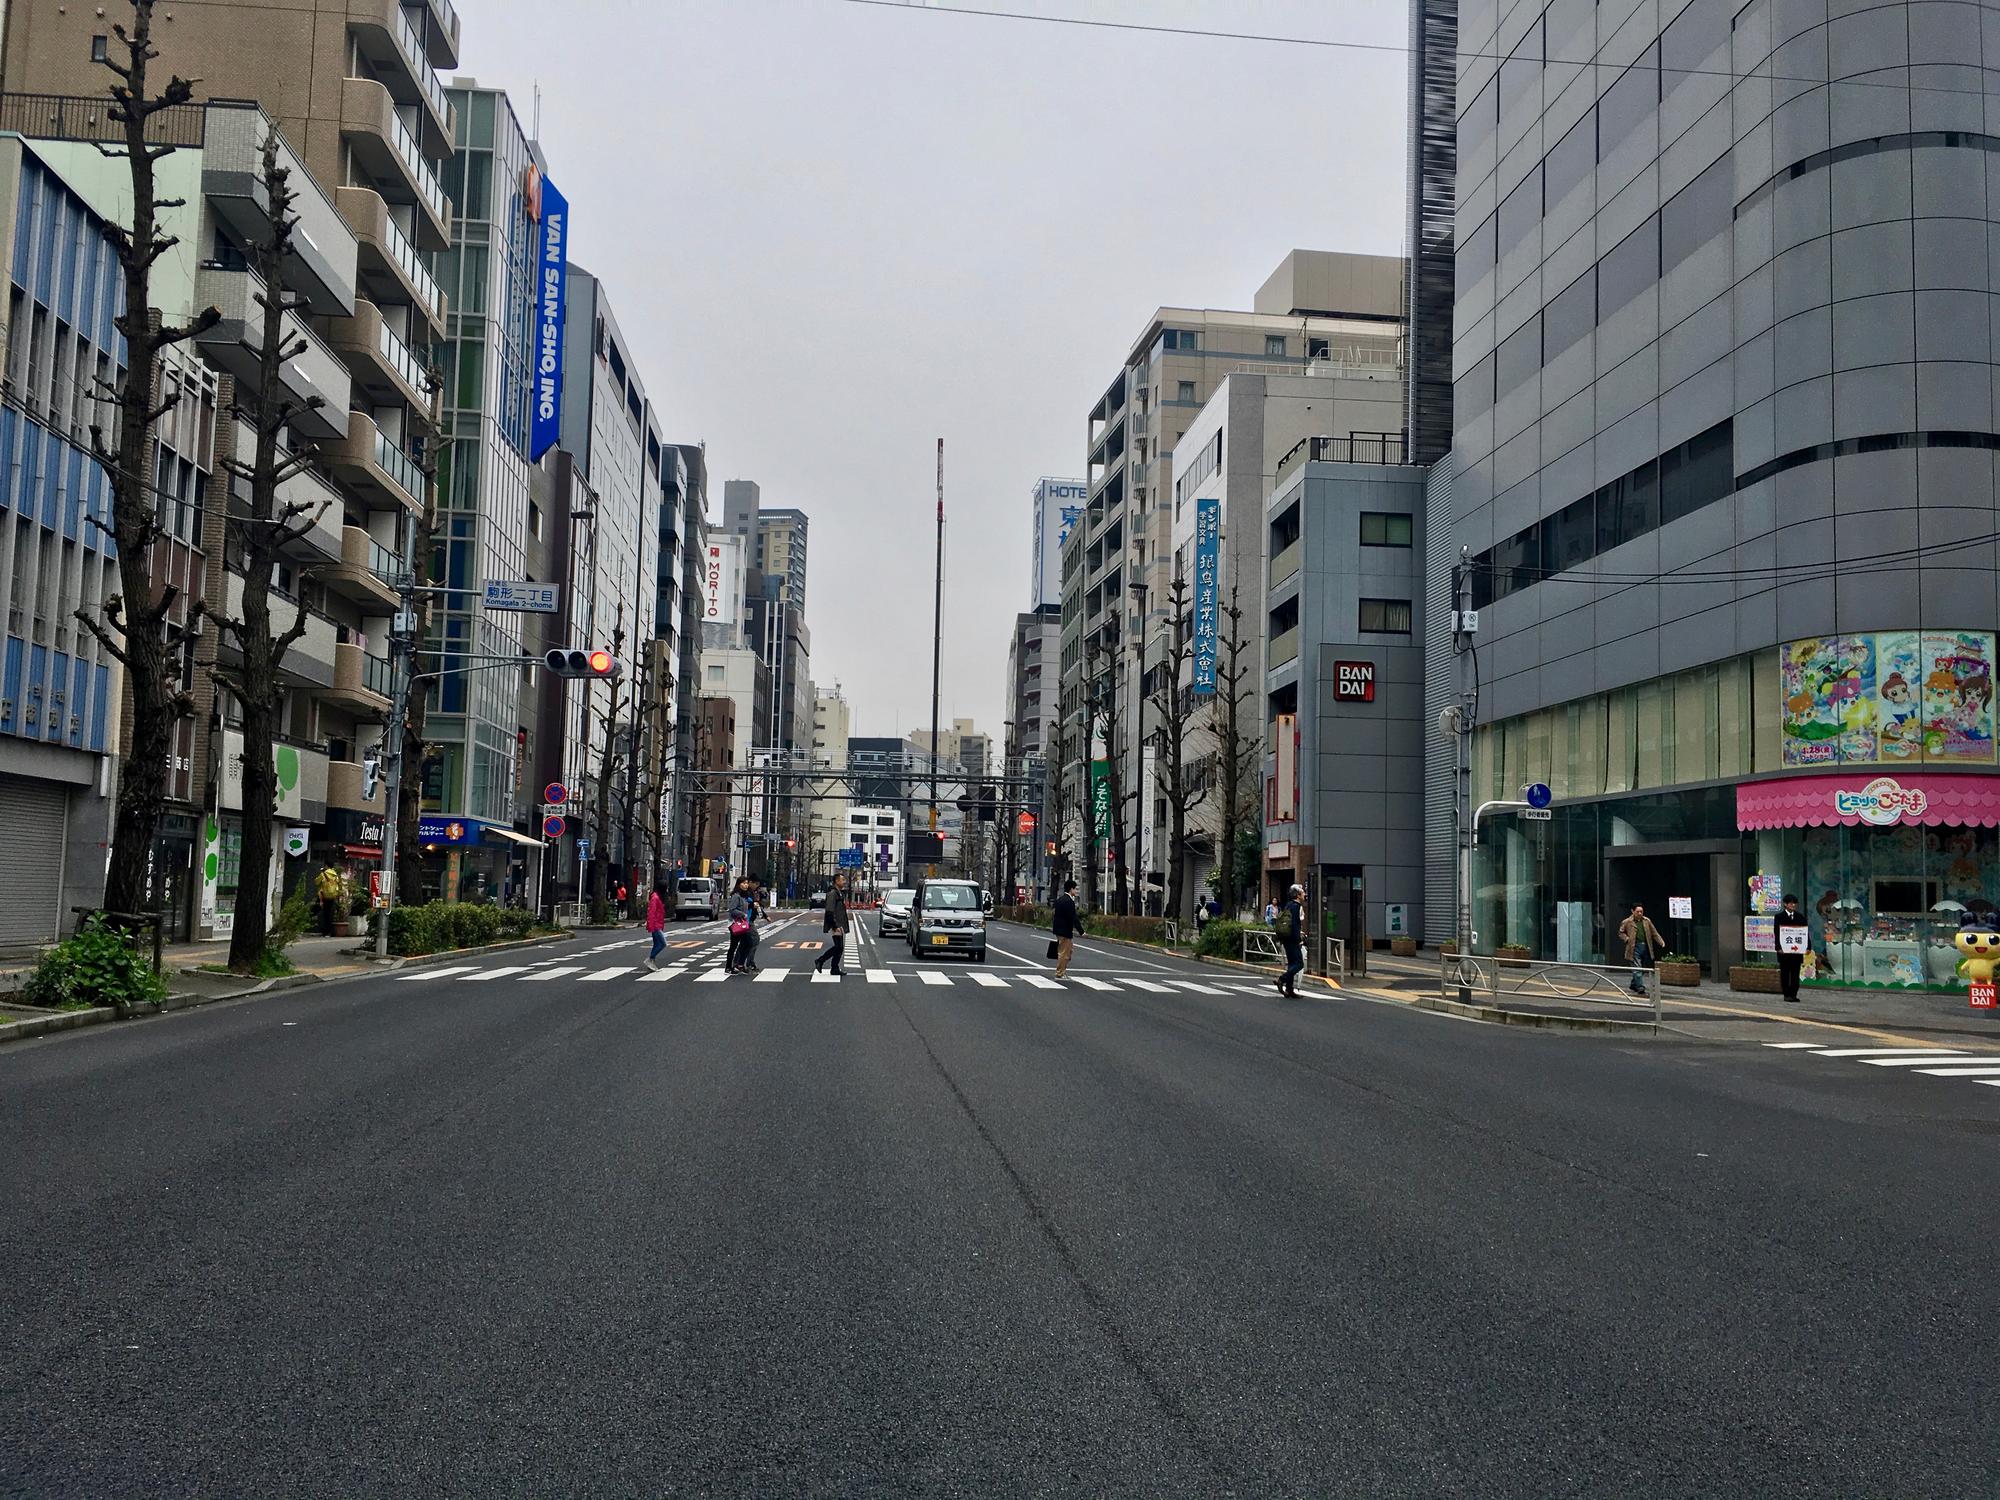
[656, 922]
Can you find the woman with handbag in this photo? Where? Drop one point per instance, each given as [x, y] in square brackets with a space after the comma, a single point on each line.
[742, 927]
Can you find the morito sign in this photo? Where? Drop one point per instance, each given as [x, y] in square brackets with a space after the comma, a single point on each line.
[551, 259]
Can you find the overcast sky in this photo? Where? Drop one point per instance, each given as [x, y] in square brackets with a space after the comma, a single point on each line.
[835, 233]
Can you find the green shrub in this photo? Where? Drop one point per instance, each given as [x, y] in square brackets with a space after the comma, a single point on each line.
[295, 919]
[1224, 939]
[439, 926]
[98, 966]
[1132, 929]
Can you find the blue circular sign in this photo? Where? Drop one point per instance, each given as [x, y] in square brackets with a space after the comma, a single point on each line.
[1538, 795]
[553, 826]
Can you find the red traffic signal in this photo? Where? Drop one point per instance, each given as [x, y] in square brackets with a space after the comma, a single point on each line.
[599, 663]
[791, 843]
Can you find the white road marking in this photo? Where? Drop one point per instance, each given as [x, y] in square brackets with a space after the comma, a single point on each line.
[1199, 989]
[1888, 1052]
[1095, 984]
[990, 981]
[603, 974]
[659, 974]
[771, 976]
[821, 976]
[1147, 984]
[1987, 1069]
[435, 973]
[1913, 1062]
[931, 976]
[1793, 1046]
[553, 973]
[1041, 982]
[493, 973]
[881, 976]
[713, 976]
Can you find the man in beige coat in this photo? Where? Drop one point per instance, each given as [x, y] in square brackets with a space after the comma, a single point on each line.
[1642, 945]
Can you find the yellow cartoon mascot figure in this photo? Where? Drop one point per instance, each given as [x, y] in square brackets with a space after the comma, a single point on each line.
[1980, 943]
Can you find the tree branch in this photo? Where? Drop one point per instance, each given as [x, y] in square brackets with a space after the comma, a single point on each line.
[111, 648]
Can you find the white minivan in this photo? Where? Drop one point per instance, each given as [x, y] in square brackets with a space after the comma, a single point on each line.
[697, 896]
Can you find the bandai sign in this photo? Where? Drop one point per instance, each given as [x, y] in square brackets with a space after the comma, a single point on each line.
[1354, 681]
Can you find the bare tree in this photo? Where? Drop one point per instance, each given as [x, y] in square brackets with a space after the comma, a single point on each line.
[423, 563]
[262, 534]
[1238, 754]
[1185, 771]
[1059, 805]
[142, 635]
[1105, 687]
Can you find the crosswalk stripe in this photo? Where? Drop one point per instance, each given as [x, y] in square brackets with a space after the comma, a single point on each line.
[1792, 1046]
[553, 973]
[1885, 1052]
[1991, 1083]
[494, 973]
[771, 976]
[881, 976]
[1958, 1072]
[659, 974]
[436, 973]
[1147, 984]
[1094, 984]
[990, 981]
[929, 976]
[1199, 989]
[1914, 1062]
[821, 976]
[603, 974]
[1041, 981]
[713, 976]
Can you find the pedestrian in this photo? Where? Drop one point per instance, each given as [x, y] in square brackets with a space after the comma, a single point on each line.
[1789, 963]
[742, 925]
[1291, 925]
[656, 922]
[1214, 909]
[329, 887]
[1642, 945]
[836, 924]
[1271, 914]
[1063, 928]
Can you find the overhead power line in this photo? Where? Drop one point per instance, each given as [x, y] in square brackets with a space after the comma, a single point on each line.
[1398, 49]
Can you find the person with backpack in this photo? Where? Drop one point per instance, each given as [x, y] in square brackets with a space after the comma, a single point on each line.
[1063, 928]
[836, 925]
[743, 913]
[656, 922]
[1291, 925]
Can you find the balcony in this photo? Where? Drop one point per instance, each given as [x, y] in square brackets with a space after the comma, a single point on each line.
[379, 473]
[1284, 649]
[232, 344]
[440, 32]
[365, 572]
[360, 681]
[383, 365]
[343, 789]
[321, 265]
[392, 40]
[389, 270]
[308, 660]
[385, 149]
[1286, 563]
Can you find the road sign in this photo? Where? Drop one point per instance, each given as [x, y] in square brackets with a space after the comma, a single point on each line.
[1680, 908]
[553, 826]
[521, 598]
[555, 791]
[1025, 823]
[852, 858]
[1537, 814]
[1539, 795]
[583, 851]
[380, 884]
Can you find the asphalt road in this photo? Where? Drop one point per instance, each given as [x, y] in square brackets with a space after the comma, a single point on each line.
[476, 1232]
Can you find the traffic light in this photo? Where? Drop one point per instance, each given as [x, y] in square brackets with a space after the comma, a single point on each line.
[371, 774]
[600, 664]
[791, 843]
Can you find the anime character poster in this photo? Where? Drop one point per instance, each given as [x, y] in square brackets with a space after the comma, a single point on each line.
[1829, 690]
[1899, 686]
[1958, 697]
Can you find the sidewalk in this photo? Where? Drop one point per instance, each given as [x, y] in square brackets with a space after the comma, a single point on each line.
[1713, 1011]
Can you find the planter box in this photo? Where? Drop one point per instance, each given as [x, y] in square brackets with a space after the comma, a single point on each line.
[1512, 950]
[1448, 948]
[1683, 975]
[1755, 979]
[1403, 947]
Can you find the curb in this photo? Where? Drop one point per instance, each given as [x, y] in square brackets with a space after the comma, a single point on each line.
[72, 1020]
[1528, 1020]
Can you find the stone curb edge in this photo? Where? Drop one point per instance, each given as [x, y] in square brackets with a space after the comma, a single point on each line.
[72, 1020]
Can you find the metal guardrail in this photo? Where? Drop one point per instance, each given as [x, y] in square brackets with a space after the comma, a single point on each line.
[1336, 957]
[1495, 981]
[1260, 946]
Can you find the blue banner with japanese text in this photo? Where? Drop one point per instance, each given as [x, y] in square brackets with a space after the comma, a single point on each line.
[1207, 590]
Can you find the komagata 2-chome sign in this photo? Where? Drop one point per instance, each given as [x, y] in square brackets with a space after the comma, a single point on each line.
[1883, 801]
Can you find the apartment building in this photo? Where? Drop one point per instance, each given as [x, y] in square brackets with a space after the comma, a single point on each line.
[712, 749]
[1724, 463]
[1317, 307]
[833, 721]
[683, 537]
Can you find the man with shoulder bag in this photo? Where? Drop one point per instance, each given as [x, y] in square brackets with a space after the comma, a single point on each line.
[1064, 928]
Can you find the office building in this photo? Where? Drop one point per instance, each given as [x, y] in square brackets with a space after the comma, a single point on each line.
[878, 833]
[1723, 462]
[709, 797]
[738, 674]
[832, 723]
[781, 553]
[677, 619]
[1316, 309]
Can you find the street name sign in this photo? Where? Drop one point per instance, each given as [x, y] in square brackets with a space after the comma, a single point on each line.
[521, 598]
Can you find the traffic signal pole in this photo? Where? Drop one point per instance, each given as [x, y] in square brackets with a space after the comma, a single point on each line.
[937, 645]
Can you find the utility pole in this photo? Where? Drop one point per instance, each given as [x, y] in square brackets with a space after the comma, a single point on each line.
[1465, 624]
[402, 644]
[937, 643]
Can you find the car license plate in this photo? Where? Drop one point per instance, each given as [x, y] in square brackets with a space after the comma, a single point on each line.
[939, 940]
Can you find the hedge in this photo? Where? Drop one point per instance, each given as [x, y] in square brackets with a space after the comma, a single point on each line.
[440, 926]
[1224, 939]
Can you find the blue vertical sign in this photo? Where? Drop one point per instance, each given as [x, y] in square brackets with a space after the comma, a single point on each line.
[551, 281]
[1207, 590]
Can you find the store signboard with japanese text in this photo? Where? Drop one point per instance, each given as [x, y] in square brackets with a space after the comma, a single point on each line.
[1207, 591]
[1100, 798]
[551, 293]
[721, 580]
[1893, 696]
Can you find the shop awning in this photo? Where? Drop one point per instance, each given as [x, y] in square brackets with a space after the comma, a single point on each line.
[361, 851]
[492, 831]
[1867, 798]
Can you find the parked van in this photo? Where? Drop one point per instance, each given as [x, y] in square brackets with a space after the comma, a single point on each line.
[697, 896]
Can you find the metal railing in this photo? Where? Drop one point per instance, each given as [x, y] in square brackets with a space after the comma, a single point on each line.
[412, 46]
[420, 169]
[1336, 957]
[402, 359]
[384, 564]
[399, 466]
[405, 255]
[376, 675]
[87, 117]
[1355, 448]
[1262, 947]
[1496, 981]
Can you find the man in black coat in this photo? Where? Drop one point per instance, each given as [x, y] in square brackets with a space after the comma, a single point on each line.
[836, 924]
[1065, 927]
